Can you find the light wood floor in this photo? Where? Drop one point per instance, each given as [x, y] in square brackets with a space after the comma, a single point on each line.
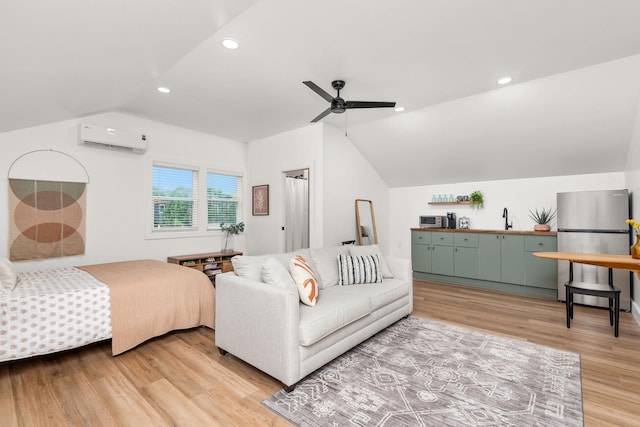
[180, 379]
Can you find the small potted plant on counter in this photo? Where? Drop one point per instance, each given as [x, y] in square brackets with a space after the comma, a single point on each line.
[542, 219]
[476, 199]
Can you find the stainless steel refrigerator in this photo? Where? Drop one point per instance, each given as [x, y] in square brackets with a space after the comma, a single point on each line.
[594, 222]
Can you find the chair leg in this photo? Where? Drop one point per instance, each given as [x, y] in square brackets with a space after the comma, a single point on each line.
[616, 306]
[611, 311]
[568, 303]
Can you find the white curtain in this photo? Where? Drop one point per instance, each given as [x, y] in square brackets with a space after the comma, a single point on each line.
[296, 214]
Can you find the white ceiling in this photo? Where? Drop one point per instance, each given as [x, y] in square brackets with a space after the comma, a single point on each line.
[569, 110]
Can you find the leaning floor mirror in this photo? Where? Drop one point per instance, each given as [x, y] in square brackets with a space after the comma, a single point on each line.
[366, 223]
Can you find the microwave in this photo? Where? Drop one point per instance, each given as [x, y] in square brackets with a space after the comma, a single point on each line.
[433, 221]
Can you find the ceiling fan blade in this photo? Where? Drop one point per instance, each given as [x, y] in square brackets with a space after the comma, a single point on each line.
[369, 104]
[317, 89]
[321, 115]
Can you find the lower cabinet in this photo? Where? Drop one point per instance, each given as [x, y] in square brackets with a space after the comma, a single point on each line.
[501, 258]
[540, 272]
[512, 258]
[466, 255]
[442, 253]
[491, 260]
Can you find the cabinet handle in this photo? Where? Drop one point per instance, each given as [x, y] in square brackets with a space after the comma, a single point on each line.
[540, 244]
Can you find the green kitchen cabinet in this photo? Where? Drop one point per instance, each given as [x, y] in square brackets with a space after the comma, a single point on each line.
[489, 257]
[488, 260]
[540, 272]
[465, 255]
[421, 251]
[442, 253]
[512, 258]
[501, 258]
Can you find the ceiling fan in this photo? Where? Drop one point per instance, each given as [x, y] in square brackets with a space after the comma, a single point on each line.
[339, 105]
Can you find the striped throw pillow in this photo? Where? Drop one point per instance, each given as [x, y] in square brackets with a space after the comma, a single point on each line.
[354, 270]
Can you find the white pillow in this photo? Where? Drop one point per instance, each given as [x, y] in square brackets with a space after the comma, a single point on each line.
[8, 275]
[324, 263]
[355, 270]
[249, 267]
[372, 250]
[275, 274]
[305, 280]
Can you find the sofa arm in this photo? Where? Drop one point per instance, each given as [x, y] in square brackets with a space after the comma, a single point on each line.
[400, 268]
[259, 324]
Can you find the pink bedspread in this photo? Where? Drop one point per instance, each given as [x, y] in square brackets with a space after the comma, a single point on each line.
[150, 298]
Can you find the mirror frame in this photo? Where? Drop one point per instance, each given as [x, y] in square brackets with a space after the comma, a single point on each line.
[359, 225]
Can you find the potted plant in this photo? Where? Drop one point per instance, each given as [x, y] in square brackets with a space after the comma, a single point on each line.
[231, 229]
[542, 219]
[476, 199]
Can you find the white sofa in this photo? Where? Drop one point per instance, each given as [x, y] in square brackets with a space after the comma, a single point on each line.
[260, 319]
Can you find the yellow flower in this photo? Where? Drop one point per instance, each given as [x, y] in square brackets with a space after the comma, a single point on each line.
[635, 225]
[630, 221]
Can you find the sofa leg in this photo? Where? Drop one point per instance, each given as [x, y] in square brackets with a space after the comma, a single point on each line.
[290, 388]
[222, 351]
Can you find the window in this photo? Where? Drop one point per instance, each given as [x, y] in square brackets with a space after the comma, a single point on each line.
[224, 199]
[175, 197]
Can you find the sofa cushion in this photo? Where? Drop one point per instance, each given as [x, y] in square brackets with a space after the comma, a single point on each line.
[335, 309]
[390, 290]
[324, 263]
[358, 269]
[372, 250]
[305, 279]
[275, 274]
[249, 267]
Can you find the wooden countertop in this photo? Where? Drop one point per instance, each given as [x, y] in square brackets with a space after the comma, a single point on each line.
[471, 230]
[623, 262]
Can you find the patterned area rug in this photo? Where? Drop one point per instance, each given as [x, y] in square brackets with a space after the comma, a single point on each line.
[419, 372]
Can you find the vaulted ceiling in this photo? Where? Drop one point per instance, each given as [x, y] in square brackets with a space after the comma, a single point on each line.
[570, 109]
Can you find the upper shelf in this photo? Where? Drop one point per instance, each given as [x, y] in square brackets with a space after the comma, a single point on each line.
[448, 203]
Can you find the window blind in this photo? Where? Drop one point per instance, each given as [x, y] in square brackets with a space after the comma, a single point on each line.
[175, 202]
[224, 199]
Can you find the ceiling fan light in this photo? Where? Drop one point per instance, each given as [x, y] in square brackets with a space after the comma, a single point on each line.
[399, 109]
[505, 80]
[230, 44]
[163, 89]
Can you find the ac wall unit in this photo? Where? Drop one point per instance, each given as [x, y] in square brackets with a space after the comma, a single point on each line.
[98, 136]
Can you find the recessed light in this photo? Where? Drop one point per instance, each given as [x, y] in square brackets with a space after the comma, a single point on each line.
[504, 80]
[162, 89]
[399, 109]
[230, 44]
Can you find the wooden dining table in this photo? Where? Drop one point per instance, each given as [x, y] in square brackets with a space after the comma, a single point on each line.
[610, 261]
[623, 262]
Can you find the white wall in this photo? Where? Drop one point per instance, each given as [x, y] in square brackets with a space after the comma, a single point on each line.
[267, 160]
[339, 174]
[632, 178]
[347, 177]
[117, 194]
[517, 195]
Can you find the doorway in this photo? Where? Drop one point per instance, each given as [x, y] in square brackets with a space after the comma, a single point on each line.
[296, 197]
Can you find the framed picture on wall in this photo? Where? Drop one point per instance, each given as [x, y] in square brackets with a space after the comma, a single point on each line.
[260, 200]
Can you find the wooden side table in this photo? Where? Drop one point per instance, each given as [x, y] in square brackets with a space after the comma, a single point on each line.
[210, 263]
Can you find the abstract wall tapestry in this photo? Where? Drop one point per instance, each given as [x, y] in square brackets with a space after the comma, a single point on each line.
[46, 219]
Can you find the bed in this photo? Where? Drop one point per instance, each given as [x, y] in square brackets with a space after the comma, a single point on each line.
[128, 302]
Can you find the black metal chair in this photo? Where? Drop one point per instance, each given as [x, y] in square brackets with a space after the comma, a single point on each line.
[597, 290]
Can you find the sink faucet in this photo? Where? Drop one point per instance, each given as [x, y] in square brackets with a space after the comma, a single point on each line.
[505, 215]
